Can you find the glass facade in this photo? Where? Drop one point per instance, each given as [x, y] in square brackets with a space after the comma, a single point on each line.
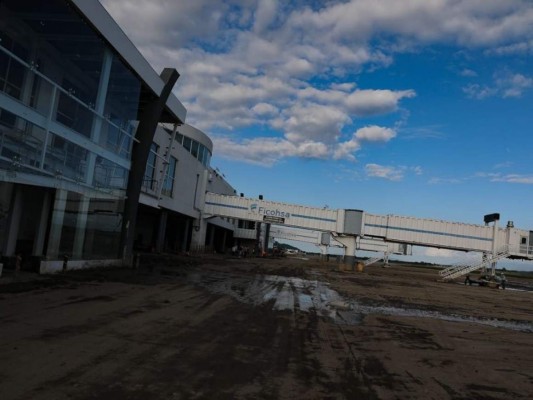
[197, 149]
[168, 183]
[149, 181]
[67, 107]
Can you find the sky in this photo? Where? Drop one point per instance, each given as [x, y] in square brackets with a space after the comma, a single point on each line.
[418, 108]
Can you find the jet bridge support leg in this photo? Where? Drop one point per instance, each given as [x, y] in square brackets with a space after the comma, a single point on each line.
[323, 251]
[349, 243]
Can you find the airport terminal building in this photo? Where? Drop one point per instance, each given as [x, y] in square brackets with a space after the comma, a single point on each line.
[77, 101]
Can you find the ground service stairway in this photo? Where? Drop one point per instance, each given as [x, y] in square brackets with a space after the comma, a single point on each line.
[456, 271]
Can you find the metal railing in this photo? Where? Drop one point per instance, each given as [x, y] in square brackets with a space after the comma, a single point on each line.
[455, 271]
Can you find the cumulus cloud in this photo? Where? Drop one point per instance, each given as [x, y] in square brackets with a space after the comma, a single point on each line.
[247, 63]
[390, 173]
[468, 73]
[384, 172]
[505, 84]
[268, 151]
[519, 48]
[513, 178]
[446, 256]
[375, 134]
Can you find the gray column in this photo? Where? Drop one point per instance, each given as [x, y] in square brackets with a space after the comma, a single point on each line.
[145, 135]
[81, 227]
[267, 235]
[161, 230]
[40, 234]
[185, 238]
[224, 238]
[212, 237]
[14, 222]
[198, 234]
[58, 215]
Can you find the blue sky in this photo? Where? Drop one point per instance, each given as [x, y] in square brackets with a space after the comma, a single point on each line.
[420, 108]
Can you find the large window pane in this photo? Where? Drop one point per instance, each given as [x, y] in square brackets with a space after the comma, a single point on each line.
[194, 149]
[109, 175]
[187, 143]
[149, 182]
[64, 158]
[168, 184]
[123, 93]
[20, 141]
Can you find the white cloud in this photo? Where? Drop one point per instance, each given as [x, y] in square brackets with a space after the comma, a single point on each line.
[250, 62]
[513, 85]
[384, 172]
[446, 256]
[375, 134]
[373, 102]
[479, 92]
[265, 14]
[519, 48]
[505, 84]
[514, 178]
[268, 151]
[264, 109]
[468, 73]
[436, 181]
[391, 173]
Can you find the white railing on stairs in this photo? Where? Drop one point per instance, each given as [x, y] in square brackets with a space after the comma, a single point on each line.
[455, 271]
[371, 261]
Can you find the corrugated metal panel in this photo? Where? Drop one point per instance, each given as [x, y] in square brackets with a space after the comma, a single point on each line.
[240, 233]
[428, 232]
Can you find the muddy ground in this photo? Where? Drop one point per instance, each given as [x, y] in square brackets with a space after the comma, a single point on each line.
[223, 328]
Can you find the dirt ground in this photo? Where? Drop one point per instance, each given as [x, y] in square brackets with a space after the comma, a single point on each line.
[226, 328]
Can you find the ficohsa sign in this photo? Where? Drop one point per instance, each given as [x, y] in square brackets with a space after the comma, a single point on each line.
[268, 211]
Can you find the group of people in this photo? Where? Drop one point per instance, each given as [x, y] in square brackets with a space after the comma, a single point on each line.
[240, 251]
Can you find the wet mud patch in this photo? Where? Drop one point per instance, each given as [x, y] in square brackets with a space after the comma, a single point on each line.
[409, 336]
[89, 299]
[293, 293]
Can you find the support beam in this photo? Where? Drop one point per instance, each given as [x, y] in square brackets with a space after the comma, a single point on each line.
[13, 222]
[267, 235]
[161, 230]
[81, 227]
[139, 156]
[40, 233]
[349, 243]
[56, 228]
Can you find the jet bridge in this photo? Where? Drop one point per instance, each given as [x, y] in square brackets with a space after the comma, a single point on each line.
[347, 225]
[346, 222]
[324, 240]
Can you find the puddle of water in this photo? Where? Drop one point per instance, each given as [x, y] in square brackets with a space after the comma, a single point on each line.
[291, 293]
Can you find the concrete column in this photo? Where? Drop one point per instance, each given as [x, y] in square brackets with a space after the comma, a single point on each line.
[224, 238]
[40, 234]
[494, 246]
[58, 215]
[81, 227]
[148, 121]
[349, 243]
[161, 230]
[185, 238]
[323, 251]
[258, 239]
[198, 233]
[211, 241]
[14, 222]
[267, 235]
